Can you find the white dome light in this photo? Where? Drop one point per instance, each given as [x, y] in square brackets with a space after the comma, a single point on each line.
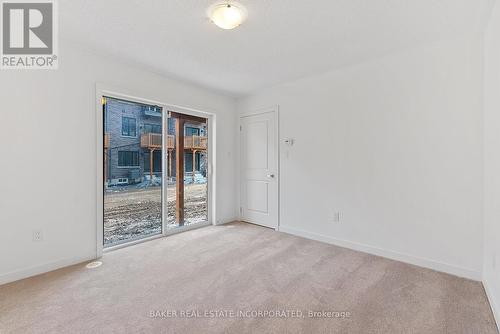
[227, 15]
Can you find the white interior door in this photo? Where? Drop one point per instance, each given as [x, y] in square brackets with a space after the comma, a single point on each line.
[259, 169]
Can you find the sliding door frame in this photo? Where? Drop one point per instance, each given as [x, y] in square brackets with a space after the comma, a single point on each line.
[120, 93]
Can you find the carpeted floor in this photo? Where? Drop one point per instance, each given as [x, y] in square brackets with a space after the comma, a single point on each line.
[241, 278]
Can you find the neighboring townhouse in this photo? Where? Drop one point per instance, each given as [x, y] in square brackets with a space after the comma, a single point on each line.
[132, 142]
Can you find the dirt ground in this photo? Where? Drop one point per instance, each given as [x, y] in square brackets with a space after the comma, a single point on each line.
[133, 213]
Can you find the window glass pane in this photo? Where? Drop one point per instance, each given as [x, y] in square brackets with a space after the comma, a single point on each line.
[129, 126]
[132, 127]
[124, 126]
[133, 190]
[152, 128]
[195, 190]
[128, 158]
[191, 131]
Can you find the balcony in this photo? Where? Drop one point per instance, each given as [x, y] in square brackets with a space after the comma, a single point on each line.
[153, 141]
[195, 142]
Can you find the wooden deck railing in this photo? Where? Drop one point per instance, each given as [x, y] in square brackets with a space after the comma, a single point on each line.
[153, 140]
[170, 141]
[106, 140]
[195, 142]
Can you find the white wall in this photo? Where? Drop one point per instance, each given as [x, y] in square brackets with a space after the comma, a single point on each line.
[395, 145]
[48, 150]
[491, 271]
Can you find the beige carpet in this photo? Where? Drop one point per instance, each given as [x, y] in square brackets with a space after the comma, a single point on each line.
[228, 274]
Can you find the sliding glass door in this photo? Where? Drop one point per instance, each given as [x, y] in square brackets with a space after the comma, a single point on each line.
[133, 171]
[155, 171]
[187, 189]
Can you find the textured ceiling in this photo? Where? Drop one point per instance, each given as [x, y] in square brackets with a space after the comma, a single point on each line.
[281, 40]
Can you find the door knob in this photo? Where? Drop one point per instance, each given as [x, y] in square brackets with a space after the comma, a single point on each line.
[270, 175]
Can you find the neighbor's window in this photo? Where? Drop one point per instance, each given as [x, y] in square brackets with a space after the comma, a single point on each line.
[152, 128]
[128, 158]
[129, 127]
[192, 131]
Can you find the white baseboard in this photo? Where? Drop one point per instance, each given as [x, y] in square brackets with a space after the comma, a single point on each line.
[494, 306]
[41, 269]
[44, 268]
[226, 221]
[421, 262]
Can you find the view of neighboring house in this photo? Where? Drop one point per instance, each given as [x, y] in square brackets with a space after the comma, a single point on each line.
[133, 144]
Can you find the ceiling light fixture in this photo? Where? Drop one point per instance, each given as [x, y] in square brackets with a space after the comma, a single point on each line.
[227, 15]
